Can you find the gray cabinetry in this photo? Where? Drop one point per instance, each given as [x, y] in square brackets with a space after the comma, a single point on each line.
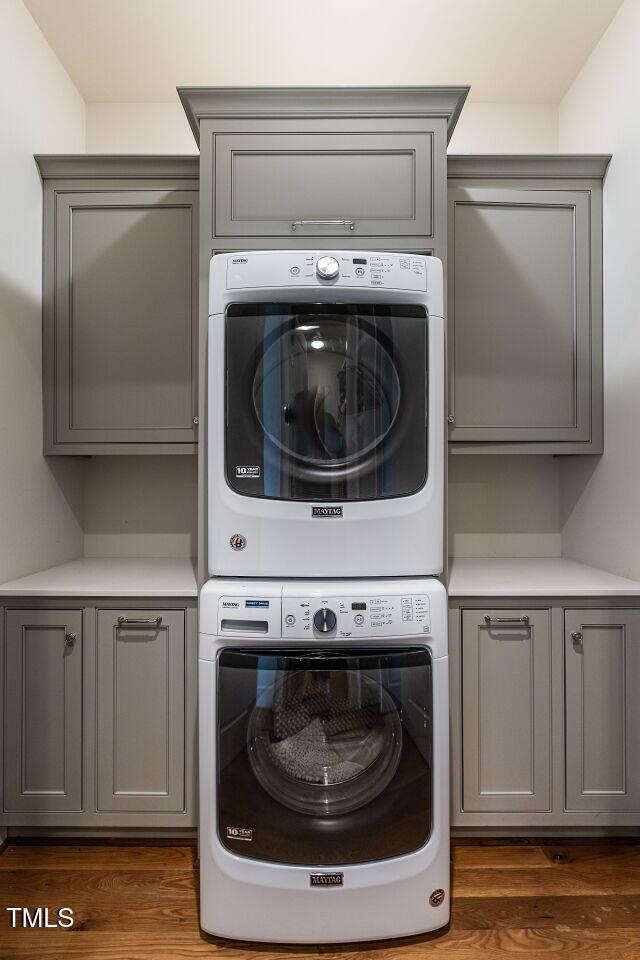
[100, 709]
[602, 736]
[525, 303]
[141, 669]
[43, 711]
[120, 317]
[287, 184]
[506, 705]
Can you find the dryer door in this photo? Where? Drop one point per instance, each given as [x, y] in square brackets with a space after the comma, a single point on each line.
[324, 757]
[326, 401]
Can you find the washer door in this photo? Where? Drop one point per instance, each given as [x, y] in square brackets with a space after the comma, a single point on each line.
[326, 401]
[321, 751]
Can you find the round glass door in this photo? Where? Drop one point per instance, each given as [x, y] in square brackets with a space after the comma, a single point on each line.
[324, 742]
[339, 394]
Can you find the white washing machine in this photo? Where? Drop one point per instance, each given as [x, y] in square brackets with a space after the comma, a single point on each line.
[324, 759]
[326, 414]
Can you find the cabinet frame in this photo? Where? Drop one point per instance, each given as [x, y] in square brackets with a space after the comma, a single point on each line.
[559, 819]
[111, 181]
[581, 175]
[90, 816]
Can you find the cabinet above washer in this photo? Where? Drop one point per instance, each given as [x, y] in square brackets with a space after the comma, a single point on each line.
[303, 163]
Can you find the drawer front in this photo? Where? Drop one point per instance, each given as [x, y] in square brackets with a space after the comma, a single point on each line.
[381, 184]
[141, 710]
[506, 708]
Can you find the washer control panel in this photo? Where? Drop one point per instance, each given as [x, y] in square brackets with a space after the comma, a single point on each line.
[306, 618]
[349, 269]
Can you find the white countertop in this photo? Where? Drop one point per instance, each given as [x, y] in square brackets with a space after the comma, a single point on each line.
[534, 577]
[109, 577]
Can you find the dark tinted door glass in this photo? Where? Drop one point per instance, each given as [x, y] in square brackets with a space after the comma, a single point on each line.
[326, 401]
[321, 752]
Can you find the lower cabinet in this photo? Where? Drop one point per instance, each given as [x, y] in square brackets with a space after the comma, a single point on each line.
[602, 740]
[43, 711]
[545, 713]
[141, 710]
[100, 715]
[506, 690]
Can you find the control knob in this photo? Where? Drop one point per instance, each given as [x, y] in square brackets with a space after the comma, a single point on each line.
[324, 620]
[327, 268]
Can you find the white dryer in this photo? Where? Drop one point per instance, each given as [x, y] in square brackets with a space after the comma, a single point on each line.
[326, 437]
[324, 759]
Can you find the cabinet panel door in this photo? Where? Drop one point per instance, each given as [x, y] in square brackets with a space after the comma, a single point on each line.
[43, 711]
[602, 737]
[506, 707]
[141, 710]
[126, 311]
[380, 182]
[519, 314]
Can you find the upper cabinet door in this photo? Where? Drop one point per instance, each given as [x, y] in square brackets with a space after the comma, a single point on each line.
[352, 185]
[523, 318]
[121, 335]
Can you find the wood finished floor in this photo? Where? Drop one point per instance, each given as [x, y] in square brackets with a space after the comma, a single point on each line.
[580, 900]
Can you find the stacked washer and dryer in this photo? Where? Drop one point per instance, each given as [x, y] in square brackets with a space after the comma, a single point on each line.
[324, 749]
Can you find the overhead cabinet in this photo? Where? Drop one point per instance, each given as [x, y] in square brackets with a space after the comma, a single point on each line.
[121, 300]
[525, 304]
[324, 184]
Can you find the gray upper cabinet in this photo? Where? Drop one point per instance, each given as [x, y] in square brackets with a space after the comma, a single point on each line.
[525, 304]
[602, 743]
[505, 699]
[324, 184]
[121, 301]
[43, 711]
[141, 709]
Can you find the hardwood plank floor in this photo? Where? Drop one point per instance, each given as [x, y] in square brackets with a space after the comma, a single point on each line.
[510, 900]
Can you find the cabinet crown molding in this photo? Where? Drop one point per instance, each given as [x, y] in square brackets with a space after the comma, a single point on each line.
[117, 166]
[528, 165]
[207, 103]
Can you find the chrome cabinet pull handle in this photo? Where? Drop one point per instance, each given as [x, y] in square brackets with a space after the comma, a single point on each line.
[129, 622]
[490, 620]
[69, 639]
[325, 223]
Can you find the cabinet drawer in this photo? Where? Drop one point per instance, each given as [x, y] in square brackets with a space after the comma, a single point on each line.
[380, 183]
[141, 710]
[506, 707]
[43, 711]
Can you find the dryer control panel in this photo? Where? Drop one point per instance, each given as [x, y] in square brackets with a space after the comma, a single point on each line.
[305, 618]
[321, 269]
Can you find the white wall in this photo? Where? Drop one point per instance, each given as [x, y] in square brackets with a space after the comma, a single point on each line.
[163, 128]
[140, 506]
[601, 496]
[504, 506]
[506, 128]
[40, 111]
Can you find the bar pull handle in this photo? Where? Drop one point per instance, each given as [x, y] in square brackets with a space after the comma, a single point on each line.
[323, 223]
[130, 622]
[489, 620]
